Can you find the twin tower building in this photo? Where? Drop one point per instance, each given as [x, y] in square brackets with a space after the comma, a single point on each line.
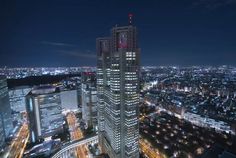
[118, 88]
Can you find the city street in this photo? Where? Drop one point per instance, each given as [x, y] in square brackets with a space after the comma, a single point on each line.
[148, 150]
[18, 145]
[76, 133]
[74, 130]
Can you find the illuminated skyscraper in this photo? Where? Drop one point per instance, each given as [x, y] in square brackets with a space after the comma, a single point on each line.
[103, 81]
[43, 106]
[2, 134]
[118, 92]
[89, 99]
[6, 125]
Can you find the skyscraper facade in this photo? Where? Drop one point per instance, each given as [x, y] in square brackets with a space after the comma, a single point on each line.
[89, 107]
[103, 81]
[89, 99]
[118, 70]
[2, 134]
[69, 99]
[5, 111]
[17, 98]
[43, 105]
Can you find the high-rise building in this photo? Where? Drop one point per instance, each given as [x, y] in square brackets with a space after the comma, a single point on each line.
[17, 98]
[118, 70]
[17, 103]
[89, 99]
[43, 105]
[69, 99]
[103, 81]
[2, 134]
[5, 112]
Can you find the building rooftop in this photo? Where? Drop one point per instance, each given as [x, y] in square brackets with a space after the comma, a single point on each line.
[43, 89]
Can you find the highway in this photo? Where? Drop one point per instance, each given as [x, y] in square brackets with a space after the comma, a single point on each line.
[82, 150]
[76, 134]
[18, 145]
[75, 144]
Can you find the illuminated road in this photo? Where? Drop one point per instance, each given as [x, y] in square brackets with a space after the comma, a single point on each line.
[67, 148]
[76, 134]
[18, 145]
[148, 150]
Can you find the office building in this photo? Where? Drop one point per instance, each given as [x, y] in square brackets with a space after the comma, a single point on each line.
[2, 134]
[17, 98]
[69, 99]
[5, 112]
[103, 80]
[118, 72]
[89, 100]
[17, 103]
[43, 105]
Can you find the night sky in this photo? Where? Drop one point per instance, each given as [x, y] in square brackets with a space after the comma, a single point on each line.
[63, 32]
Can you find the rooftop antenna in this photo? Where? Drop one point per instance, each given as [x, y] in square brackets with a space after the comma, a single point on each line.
[130, 18]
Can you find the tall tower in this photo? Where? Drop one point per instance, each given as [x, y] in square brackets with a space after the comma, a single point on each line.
[118, 76]
[89, 99]
[6, 125]
[103, 83]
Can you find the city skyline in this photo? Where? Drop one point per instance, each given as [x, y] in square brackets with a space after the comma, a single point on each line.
[182, 33]
[118, 86]
[118, 79]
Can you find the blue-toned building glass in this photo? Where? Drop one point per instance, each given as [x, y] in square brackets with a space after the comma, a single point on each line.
[43, 106]
[2, 134]
[5, 112]
[89, 100]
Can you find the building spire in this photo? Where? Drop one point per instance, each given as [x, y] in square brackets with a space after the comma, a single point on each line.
[130, 18]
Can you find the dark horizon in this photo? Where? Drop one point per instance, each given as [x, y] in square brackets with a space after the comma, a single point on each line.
[181, 66]
[63, 33]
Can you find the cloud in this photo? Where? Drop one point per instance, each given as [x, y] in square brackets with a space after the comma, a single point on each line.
[70, 50]
[57, 44]
[213, 4]
[79, 54]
